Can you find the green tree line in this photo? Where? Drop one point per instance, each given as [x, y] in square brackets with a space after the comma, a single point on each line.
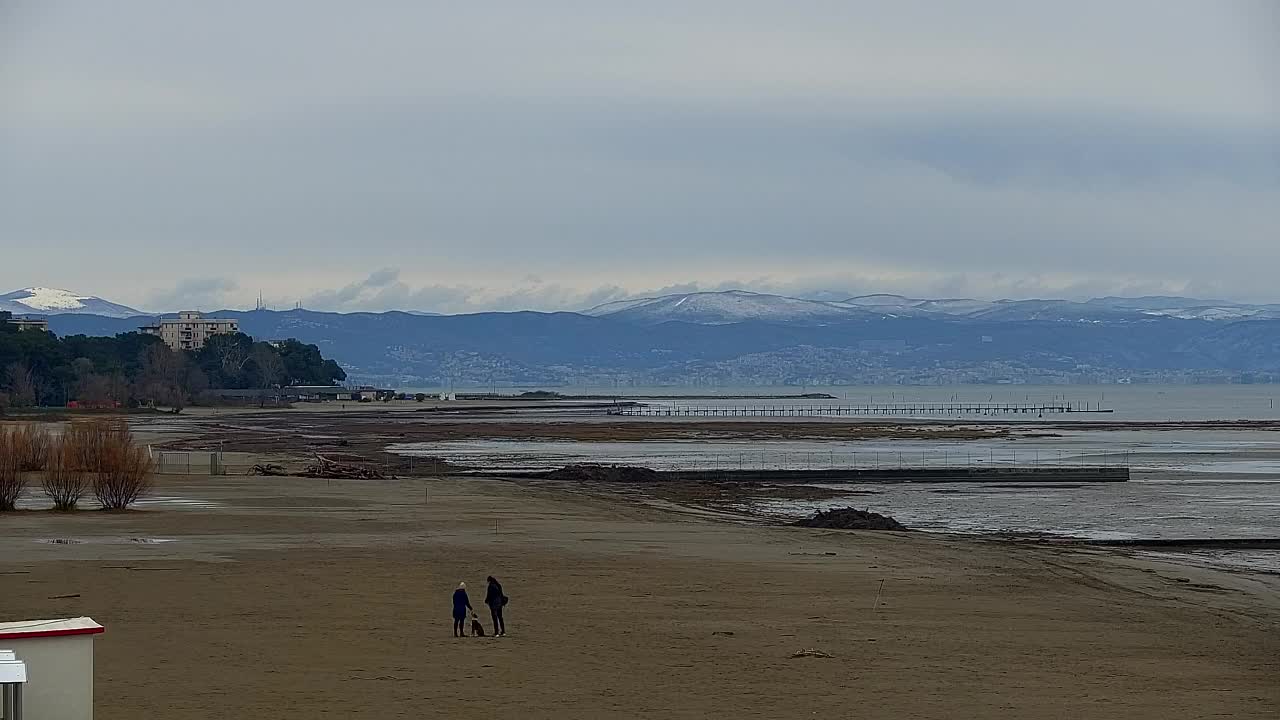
[39, 368]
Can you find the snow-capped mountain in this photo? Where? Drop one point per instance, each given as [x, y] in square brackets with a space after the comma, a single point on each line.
[722, 308]
[883, 300]
[1051, 310]
[961, 307]
[733, 306]
[891, 305]
[1191, 308]
[52, 301]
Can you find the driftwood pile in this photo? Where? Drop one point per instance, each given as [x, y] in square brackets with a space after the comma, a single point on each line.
[268, 469]
[811, 652]
[324, 467]
[851, 519]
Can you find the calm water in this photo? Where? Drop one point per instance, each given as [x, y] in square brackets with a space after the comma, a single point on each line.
[1147, 507]
[1253, 453]
[1187, 483]
[1130, 402]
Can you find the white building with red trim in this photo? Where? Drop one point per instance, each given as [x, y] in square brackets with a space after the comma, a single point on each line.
[59, 662]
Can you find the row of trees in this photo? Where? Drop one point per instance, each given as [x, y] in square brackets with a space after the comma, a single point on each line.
[236, 361]
[39, 368]
[99, 457]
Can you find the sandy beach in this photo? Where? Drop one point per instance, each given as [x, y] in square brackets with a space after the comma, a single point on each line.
[301, 598]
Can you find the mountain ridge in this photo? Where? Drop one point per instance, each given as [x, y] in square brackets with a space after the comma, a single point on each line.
[755, 338]
[529, 347]
[731, 306]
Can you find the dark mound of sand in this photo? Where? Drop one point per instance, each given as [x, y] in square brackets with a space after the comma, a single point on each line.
[850, 519]
[604, 473]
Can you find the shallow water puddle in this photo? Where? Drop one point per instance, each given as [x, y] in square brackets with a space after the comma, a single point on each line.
[105, 541]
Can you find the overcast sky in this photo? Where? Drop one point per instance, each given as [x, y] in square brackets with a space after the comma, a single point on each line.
[505, 154]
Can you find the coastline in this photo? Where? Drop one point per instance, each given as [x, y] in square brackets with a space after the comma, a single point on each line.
[787, 466]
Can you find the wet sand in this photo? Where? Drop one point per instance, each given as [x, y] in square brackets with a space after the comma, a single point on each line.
[302, 598]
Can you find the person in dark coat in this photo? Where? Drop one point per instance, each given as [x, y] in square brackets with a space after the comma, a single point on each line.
[494, 598]
[461, 607]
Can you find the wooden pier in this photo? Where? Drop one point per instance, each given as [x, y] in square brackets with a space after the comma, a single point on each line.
[869, 410]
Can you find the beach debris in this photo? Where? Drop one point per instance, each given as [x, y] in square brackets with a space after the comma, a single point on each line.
[64, 597]
[327, 468]
[590, 472]
[324, 467]
[850, 519]
[268, 469]
[725, 633]
[818, 554]
[811, 652]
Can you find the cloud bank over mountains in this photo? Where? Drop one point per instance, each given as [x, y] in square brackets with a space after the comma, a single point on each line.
[554, 155]
[387, 289]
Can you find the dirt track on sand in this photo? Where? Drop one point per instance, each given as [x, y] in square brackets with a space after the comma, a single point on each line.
[296, 598]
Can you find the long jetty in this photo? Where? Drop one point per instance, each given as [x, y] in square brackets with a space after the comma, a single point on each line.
[868, 410]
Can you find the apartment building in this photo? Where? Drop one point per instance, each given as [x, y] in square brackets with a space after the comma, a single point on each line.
[190, 330]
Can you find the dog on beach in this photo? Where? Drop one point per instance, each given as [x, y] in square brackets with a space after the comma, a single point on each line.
[477, 630]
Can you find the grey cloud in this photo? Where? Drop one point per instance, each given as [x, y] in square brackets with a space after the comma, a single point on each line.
[382, 283]
[384, 290]
[204, 293]
[576, 154]
[555, 298]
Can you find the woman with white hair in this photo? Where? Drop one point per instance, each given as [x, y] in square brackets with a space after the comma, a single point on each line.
[461, 608]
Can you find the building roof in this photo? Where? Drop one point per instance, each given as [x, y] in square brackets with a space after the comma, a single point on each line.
[48, 628]
[201, 319]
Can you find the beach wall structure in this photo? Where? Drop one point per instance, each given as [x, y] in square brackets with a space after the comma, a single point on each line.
[952, 474]
[59, 659]
[979, 474]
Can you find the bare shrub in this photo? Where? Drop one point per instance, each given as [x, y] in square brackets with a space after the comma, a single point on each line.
[10, 490]
[13, 482]
[123, 469]
[32, 445]
[65, 479]
[125, 477]
[88, 442]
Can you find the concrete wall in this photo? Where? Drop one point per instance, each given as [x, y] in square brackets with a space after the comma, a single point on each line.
[59, 676]
[920, 475]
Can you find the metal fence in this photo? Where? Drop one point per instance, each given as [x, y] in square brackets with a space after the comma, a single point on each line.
[177, 462]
